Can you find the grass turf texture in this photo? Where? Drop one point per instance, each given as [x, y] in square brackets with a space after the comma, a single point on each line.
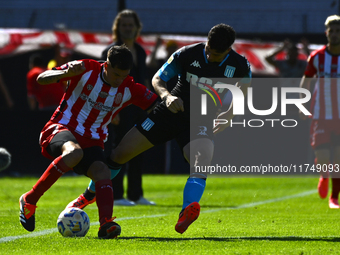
[238, 216]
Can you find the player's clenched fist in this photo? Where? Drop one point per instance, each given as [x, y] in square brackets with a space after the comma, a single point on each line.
[174, 104]
[68, 70]
[75, 67]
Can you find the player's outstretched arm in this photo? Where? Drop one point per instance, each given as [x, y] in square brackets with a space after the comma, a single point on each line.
[271, 58]
[52, 76]
[174, 104]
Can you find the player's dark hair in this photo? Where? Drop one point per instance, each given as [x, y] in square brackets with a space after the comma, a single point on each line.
[221, 37]
[117, 21]
[120, 56]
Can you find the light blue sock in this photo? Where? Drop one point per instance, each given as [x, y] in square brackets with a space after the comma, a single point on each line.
[193, 191]
[92, 184]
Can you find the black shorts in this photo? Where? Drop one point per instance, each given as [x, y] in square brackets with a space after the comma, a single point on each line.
[161, 126]
[90, 154]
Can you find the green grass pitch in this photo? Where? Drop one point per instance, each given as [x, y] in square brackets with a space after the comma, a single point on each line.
[238, 216]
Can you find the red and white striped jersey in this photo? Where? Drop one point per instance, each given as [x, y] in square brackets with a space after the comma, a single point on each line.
[89, 103]
[326, 96]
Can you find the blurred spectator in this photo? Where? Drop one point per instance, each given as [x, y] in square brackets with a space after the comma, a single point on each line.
[42, 97]
[291, 68]
[4, 91]
[62, 56]
[155, 63]
[171, 47]
[125, 30]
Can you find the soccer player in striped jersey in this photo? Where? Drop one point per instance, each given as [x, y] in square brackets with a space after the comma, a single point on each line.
[324, 64]
[197, 63]
[74, 136]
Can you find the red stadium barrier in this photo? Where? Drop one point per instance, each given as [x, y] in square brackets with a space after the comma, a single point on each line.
[16, 41]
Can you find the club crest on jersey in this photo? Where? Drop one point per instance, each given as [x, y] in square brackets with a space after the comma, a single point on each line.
[118, 98]
[83, 96]
[89, 87]
[103, 94]
[147, 124]
[229, 71]
[196, 64]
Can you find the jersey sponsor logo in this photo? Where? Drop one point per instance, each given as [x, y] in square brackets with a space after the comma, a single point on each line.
[96, 105]
[328, 75]
[203, 82]
[147, 124]
[118, 98]
[89, 87]
[103, 94]
[203, 130]
[196, 64]
[229, 71]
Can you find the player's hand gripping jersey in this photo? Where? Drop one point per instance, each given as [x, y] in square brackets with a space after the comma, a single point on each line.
[90, 103]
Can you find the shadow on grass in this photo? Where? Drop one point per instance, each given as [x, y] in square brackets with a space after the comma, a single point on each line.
[232, 239]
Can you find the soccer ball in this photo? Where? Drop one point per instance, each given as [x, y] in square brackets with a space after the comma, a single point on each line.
[5, 159]
[73, 222]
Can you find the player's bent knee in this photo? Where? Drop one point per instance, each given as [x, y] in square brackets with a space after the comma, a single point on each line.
[72, 156]
[73, 149]
[76, 154]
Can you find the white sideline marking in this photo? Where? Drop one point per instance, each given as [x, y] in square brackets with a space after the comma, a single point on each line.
[306, 193]
[53, 230]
